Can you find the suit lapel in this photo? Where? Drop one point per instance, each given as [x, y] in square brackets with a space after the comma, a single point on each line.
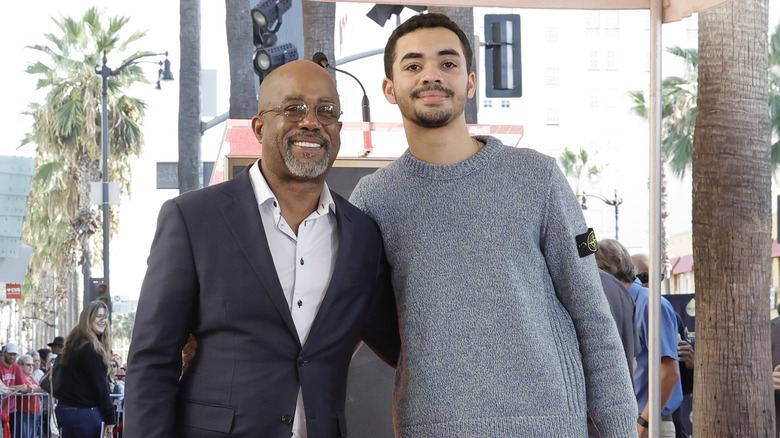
[346, 236]
[245, 223]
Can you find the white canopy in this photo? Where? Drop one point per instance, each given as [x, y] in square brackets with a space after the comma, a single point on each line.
[673, 10]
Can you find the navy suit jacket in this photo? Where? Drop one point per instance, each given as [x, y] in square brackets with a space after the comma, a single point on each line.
[210, 273]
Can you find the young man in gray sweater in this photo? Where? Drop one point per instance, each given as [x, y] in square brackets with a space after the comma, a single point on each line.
[506, 331]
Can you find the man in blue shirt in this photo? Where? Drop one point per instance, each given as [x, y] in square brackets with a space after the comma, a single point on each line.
[614, 258]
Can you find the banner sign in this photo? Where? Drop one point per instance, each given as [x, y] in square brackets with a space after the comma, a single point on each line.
[13, 291]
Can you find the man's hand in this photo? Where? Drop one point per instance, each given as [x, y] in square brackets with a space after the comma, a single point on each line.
[685, 353]
[188, 353]
[776, 377]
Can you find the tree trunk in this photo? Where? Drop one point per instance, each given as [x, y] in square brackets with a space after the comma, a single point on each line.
[464, 17]
[238, 21]
[319, 20]
[189, 167]
[731, 225]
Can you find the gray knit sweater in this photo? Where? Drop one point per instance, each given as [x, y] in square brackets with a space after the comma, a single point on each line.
[495, 303]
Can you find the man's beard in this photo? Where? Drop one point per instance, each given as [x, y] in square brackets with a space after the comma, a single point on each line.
[434, 118]
[307, 170]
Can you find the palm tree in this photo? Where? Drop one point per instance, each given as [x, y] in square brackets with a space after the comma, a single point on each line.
[66, 129]
[575, 166]
[319, 21]
[238, 21]
[678, 95]
[189, 169]
[679, 109]
[732, 224]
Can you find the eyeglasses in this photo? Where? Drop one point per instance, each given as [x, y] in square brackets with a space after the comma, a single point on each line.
[294, 112]
[26, 364]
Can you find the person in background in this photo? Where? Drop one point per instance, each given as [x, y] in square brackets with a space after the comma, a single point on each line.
[483, 243]
[46, 357]
[37, 373]
[57, 345]
[276, 276]
[622, 307]
[28, 406]
[83, 401]
[775, 338]
[685, 351]
[614, 258]
[13, 377]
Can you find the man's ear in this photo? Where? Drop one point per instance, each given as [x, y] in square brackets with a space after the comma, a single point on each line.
[257, 127]
[387, 87]
[472, 85]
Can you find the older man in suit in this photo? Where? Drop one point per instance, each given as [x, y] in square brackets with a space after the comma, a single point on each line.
[277, 277]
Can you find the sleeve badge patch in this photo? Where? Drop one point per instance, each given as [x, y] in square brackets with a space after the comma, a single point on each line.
[586, 243]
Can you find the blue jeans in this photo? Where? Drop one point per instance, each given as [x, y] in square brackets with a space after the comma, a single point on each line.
[26, 425]
[79, 422]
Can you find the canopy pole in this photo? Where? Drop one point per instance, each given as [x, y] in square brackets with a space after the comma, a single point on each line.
[654, 306]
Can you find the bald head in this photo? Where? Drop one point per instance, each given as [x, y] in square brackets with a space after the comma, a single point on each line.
[288, 78]
[642, 263]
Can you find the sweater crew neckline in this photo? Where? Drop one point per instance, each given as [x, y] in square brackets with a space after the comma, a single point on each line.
[476, 162]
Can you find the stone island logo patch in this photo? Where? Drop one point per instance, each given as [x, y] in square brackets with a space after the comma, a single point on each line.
[586, 243]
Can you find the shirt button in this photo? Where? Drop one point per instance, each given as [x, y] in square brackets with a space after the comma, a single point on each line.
[302, 361]
[287, 419]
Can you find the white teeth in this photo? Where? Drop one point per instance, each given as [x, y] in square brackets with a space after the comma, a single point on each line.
[306, 144]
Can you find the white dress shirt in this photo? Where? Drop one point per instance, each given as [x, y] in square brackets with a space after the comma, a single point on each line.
[304, 263]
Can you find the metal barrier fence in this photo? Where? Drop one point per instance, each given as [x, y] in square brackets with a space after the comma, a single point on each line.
[32, 415]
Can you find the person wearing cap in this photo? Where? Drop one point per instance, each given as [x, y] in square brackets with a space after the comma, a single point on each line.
[57, 345]
[13, 377]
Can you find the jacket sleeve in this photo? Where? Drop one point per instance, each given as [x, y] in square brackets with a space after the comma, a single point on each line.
[610, 396]
[164, 318]
[380, 330]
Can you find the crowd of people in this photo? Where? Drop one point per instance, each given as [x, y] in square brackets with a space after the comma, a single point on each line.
[87, 374]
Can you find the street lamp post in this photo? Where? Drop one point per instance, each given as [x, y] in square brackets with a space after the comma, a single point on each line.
[615, 202]
[105, 72]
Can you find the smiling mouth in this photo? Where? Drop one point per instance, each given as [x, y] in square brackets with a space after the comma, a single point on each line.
[306, 144]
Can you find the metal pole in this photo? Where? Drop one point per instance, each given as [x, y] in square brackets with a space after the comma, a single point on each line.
[105, 72]
[616, 222]
[654, 305]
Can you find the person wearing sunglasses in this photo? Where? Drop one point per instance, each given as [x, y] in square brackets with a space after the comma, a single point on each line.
[276, 277]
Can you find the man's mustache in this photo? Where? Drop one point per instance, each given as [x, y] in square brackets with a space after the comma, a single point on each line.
[433, 87]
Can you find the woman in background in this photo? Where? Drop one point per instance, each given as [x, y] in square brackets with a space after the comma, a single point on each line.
[83, 401]
[28, 406]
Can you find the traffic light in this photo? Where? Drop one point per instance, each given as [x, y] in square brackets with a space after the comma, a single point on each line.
[266, 21]
[98, 291]
[503, 67]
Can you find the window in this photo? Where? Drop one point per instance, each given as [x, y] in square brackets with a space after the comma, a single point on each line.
[551, 76]
[611, 61]
[593, 101]
[611, 20]
[551, 35]
[592, 20]
[553, 117]
[593, 60]
[487, 103]
[505, 103]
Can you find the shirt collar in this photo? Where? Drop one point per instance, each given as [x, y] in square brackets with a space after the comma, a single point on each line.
[265, 196]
